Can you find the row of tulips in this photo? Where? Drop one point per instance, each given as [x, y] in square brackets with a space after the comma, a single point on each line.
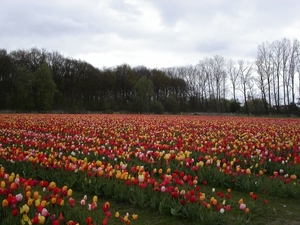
[238, 144]
[29, 201]
[53, 205]
[151, 157]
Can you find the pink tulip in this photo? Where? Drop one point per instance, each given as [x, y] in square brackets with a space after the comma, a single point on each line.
[44, 212]
[19, 197]
[242, 206]
[82, 202]
[227, 207]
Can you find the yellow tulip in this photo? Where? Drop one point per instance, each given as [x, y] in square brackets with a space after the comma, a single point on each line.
[26, 220]
[70, 192]
[11, 178]
[24, 209]
[41, 219]
[52, 185]
[37, 202]
[200, 164]
[95, 199]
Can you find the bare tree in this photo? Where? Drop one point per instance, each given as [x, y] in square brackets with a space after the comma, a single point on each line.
[277, 67]
[233, 75]
[265, 71]
[294, 63]
[245, 80]
[277, 49]
[210, 84]
[286, 51]
[202, 87]
[217, 78]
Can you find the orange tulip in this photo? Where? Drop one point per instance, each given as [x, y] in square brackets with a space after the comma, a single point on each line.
[135, 216]
[30, 202]
[4, 203]
[2, 184]
[36, 195]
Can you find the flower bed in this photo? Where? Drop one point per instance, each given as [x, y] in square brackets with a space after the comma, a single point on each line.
[162, 162]
[29, 201]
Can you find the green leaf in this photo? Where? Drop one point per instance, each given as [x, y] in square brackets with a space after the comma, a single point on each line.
[176, 211]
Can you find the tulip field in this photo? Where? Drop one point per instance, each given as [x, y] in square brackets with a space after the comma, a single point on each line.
[130, 169]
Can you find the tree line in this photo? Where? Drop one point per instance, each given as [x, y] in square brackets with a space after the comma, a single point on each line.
[42, 81]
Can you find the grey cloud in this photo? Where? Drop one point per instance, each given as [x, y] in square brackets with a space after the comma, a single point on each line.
[125, 8]
[215, 47]
[232, 28]
[173, 11]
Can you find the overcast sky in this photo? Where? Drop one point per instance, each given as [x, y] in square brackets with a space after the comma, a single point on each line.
[152, 33]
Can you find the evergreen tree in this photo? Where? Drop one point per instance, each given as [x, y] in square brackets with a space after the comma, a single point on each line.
[144, 93]
[43, 88]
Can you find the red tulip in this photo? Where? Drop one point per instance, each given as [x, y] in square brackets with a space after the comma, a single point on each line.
[71, 202]
[14, 212]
